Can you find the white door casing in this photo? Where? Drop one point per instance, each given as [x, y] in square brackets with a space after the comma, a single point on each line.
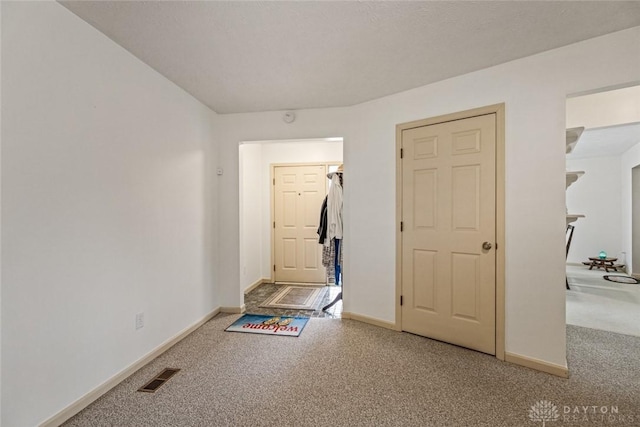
[633, 265]
[448, 281]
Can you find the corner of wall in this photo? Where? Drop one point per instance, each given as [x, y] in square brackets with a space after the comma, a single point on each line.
[211, 197]
[630, 159]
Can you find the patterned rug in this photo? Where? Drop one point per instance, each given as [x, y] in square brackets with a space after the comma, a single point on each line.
[296, 298]
[271, 325]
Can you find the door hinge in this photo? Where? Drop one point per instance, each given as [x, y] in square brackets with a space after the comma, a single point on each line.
[402, 153]
[274, 224]
[401, 226]
[401, 300]
[274, 267]
[274, 181]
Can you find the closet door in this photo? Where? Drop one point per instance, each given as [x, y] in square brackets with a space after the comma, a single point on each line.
[448, 243]
[298, 195]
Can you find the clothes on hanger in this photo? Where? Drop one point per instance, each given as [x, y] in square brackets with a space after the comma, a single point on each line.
[334, 208]
[332, 260]
[322, 228]
[332, 248]
[332, 227]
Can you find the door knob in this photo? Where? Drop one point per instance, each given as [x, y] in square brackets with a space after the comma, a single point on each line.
[486, 246]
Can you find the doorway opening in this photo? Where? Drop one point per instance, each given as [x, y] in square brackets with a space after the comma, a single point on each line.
[267, 219]
[603, 206]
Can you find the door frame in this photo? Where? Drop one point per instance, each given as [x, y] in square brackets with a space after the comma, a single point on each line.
[499, 111]
[272, 209]
[633, 268]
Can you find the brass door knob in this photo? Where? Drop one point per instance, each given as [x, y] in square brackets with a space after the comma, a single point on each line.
[486, 246]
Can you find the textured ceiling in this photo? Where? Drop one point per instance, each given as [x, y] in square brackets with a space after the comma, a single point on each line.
[238, 56]
[605, 142]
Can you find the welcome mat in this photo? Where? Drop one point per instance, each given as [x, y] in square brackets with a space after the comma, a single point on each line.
[266, 324]
[296, 298]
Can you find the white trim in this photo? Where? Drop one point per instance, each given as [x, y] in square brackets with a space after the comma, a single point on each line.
[94, 394]
[370, 320]
[233, 310]
[300, 284]
[537, 364]
[256, 284]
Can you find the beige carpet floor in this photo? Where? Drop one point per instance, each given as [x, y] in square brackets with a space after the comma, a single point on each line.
[347, 373]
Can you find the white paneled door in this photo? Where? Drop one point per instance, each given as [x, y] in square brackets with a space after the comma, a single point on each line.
[298, 195]
[449, 232]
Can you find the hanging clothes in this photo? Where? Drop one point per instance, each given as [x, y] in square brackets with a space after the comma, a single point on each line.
[322, 228]
[334, 209]
[332, 249]
[330, 259]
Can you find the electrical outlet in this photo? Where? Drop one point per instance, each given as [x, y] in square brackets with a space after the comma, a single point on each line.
[139, 320]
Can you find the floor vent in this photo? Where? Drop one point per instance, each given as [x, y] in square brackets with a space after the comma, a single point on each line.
[159, 379]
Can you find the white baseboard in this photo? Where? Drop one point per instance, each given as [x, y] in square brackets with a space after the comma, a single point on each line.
[370, 320]
[94, 394]
[256, 284]
[234, 310]
[300, 284]
[538, 365]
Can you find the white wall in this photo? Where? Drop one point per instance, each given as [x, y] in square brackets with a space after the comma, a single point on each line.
[534, 90]
[255, 187]
[609, 108]
[107, 210]
[597, 195]
[251, 213]
[630, 159]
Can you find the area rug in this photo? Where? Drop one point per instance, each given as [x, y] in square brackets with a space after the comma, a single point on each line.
[622, 279]
[296, 298]
[271, 325]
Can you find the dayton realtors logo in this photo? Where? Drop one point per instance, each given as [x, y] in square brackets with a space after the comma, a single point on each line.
[545, 411]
